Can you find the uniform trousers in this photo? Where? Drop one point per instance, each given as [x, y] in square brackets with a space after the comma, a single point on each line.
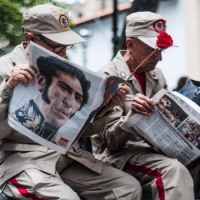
[165, 178]
[111, 184]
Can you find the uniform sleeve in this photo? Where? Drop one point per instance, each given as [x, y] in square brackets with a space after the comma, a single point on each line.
[112, 135]
[162, 80]
[94, 126]
[106, 123]
[107, 126]
[165, 82]
[5, 96]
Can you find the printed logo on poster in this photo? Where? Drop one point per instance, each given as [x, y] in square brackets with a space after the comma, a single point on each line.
[63, 142]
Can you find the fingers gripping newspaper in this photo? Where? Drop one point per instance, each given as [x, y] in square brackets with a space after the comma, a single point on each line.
[64, 98]
[174, 128]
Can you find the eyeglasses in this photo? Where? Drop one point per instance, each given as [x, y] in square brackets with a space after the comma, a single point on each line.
[56, 49]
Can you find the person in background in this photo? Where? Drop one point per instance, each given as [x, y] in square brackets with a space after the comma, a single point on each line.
[181, 82]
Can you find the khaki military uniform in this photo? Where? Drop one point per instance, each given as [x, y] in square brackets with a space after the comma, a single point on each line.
[30, 170]
[164, 177]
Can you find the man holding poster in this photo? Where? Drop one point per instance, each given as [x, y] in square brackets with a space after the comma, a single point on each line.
[30, 170]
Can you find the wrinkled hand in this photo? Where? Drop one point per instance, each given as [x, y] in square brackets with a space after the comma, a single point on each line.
[119, 96]
[142, 105]
[22, 73]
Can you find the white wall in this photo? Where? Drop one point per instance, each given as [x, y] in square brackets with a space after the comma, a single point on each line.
[192, 27]
[173, 64]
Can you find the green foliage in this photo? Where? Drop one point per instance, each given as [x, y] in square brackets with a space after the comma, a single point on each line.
[11, 12]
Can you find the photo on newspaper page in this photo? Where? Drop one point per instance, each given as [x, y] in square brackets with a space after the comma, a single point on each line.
[174, 128]
[55, 109]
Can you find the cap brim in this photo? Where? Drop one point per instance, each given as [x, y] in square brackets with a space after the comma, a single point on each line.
[66, 38]
[150, 41]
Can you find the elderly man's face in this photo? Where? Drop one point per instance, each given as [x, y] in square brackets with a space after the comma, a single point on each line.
[142, 52]
[66, 96]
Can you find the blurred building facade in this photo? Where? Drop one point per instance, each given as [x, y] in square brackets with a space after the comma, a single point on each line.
[95, 17]
[183, 25]
[99, 22]
[183, 17]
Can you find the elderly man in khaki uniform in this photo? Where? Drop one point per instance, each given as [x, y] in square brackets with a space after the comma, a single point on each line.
[31, 171]
[165, 178]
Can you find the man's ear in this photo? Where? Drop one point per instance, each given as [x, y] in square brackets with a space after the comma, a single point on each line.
[30, 37]
[41, 83]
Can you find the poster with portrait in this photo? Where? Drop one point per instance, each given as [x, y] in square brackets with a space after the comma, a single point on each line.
[64, 97]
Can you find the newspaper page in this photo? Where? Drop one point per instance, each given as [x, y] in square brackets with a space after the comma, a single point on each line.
[54, 110]
[174, 128]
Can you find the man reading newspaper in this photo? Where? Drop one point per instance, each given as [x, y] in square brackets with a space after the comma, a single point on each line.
[164, 177]
[30, 170]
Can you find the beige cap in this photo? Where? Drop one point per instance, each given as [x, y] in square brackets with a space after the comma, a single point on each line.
[145, 26]
[51, 22]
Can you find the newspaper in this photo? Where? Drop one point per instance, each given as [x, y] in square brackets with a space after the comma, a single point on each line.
[64, 98]
[174, 128]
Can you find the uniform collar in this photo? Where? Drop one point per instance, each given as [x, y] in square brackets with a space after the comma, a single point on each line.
[124, 72]
[122, 67]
